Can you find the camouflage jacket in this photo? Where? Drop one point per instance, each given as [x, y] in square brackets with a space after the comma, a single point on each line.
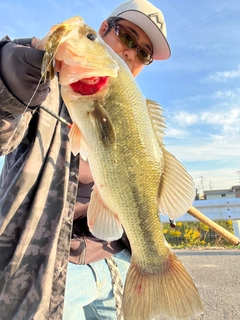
[38, 186]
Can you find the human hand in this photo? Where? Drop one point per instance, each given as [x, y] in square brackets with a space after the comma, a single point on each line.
[20, 69]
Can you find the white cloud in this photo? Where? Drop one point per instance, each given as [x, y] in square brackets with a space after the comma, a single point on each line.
[181, 102]
[227, 121]
[228, 98]
[226, 94]
[219, 113]
[212, 135]
[200, 149]
[185, 118]
[176, 133]
[223, 76]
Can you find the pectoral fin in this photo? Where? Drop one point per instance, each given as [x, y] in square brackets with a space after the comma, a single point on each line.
[77, 144]
[177, 189]
[103, 124]
[102, 223]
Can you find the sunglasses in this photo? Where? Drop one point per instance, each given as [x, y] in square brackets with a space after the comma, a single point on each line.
[128, 38]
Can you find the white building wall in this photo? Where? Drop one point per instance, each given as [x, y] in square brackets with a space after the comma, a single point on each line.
[220, 196]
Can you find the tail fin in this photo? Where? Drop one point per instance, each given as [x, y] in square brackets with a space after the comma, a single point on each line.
[171, 292]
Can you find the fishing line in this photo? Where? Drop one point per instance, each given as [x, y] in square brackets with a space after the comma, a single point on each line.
[25, 110]
[67, 124]
[62, 120]
[34, 93]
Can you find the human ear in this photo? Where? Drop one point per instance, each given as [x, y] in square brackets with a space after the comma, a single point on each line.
[103, 28]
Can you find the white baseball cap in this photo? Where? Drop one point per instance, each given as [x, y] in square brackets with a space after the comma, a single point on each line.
[151, 20]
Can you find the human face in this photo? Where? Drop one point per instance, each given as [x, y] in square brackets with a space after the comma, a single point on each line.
[129, 55]
[129, 38]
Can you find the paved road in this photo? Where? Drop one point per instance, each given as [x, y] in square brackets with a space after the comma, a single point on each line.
[217, 276]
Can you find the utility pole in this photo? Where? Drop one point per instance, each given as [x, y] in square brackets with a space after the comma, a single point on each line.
[238, 173]
[202, 195]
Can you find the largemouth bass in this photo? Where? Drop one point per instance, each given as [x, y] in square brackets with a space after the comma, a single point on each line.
[136, 178]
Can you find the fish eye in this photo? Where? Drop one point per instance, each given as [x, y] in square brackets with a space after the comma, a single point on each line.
[91, 36]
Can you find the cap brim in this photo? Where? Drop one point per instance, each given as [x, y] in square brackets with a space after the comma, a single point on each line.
[161, 49]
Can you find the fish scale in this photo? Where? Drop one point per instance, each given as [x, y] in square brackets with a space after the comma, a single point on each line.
[121, 134]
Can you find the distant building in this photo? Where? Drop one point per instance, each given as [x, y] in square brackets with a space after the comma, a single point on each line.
[236, 189]
[234, 192]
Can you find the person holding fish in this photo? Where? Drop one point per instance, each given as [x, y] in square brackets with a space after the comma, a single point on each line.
[61, 232]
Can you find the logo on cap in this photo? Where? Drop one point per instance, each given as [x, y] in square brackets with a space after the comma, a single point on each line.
[155, 18]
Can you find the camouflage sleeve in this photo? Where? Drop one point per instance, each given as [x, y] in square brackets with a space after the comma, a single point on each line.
[14, 117]
[14, 120]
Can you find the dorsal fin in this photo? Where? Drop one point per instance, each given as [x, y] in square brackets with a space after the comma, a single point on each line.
[155, 111]
[175, 181]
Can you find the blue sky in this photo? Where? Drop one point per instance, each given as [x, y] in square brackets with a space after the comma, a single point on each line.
[198, 86]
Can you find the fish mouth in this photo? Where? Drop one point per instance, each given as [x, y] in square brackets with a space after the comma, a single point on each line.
[89, 86]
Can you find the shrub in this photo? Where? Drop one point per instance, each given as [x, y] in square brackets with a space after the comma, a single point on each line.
[193, 234]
